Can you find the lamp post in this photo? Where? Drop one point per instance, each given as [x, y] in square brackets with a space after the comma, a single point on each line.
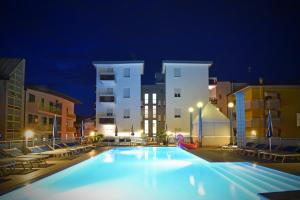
[230, 106]
[191, 110]
[28, 134]
[199, 106]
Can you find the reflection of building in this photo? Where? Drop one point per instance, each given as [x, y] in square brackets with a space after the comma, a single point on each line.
[253, 104]
[118, 97]
[153, 106]
[219, 90]
[12, 73]
[41, 105]
[186, 84]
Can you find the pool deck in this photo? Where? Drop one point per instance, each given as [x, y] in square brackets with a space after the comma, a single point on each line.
[217, 155]
[54, 165]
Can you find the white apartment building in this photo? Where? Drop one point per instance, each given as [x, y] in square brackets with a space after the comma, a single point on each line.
[118, 97]
[186, 84]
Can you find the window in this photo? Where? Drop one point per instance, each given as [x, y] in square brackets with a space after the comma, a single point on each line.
[44, 120]
[159, 103]
[177, 72]
[154, 111]
[146, 111]
[159, 118]
[154, 127]
[154, 98]
[126, 72]
[146, 97]
[126, 114]
[42, 101]
[177, 92]
[177, 113]
[126, 92]
[298, 119]
[146, 126]
[32, 119]
[109, 112]
[50, 121]
[31, 98]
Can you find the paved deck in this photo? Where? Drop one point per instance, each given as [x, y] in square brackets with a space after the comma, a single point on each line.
[55, 165]
[217, 155]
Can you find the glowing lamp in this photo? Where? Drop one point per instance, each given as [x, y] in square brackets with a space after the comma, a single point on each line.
[230, 105]
[28, 133]
[200, 104]
[191, 109]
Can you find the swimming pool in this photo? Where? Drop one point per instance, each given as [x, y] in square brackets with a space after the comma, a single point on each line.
[156, 173]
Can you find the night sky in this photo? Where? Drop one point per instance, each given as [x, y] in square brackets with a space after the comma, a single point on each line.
[60, 39]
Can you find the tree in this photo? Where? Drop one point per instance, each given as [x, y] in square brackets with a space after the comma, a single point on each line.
[161, 136]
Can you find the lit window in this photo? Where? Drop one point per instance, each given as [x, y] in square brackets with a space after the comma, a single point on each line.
[154, 98]
[177, 72]
[146, 126]
[126, 114]
[154, 111]
[126, 72]
[177, 92]
[154, 127]
[146, 111]
[177, 113]
[126, 92]
[146, 96]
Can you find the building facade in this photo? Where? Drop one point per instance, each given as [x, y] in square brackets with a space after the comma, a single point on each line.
[219, 91]
[41, 105]
[154, 106]
[253, 104]
[12, 75]
[118, 98]
[186, 84]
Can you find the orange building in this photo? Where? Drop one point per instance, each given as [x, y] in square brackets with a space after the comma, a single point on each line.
[41, 105]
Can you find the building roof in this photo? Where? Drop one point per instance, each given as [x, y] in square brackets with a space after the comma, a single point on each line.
[120, 62]
[185, 62]
[7, 66]
[267, 86]
[49, 91]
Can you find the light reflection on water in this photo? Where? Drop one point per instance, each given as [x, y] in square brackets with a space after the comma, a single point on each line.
[156, 173]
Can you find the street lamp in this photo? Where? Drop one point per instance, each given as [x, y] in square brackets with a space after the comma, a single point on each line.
[230, 106]
[191, 110]
[28, 134]
[92, 135]
[200, 106]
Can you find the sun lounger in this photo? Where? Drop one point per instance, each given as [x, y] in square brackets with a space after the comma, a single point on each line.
[17, 153]
[45, 150]
[76, 145]
[4, 165]
[20, 161]
[293, 153]
[229, 147]
[254, 151]
[241, 150]
[265, 154]
[73, 150]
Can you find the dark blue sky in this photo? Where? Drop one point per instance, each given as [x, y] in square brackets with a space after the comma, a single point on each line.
[60, 39]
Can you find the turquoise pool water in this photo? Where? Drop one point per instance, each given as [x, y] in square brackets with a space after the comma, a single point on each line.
[156, 173]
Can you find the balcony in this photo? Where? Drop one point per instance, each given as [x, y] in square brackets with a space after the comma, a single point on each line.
[106, 117]
[40, 127]
[50, 109]
[273, 104]
[107, 99]
[213, 100]
[71, 129]
[254, 104]
[261, 122]
[71, 115]
[106, 74]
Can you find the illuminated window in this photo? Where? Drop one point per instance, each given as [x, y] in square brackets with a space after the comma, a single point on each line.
[154, 127]
[154, 111]
[154, 98]
[146, 111]
[146, 126]
[146, 97]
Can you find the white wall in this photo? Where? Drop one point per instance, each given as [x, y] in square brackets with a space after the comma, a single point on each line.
[194, 86]
[133, 103]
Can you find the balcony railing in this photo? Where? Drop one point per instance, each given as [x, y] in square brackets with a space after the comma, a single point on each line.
[213, 100]
[273, 104]
[254, 104]
[107, 99]
[261, 122]
[51, 109]
[71, 129]
[106, 115]
[106, 92]
[71, 115]
[106, 120]
[106, 70]
[40, 127]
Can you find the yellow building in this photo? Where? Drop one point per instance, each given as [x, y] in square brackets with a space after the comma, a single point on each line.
[252, 106]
